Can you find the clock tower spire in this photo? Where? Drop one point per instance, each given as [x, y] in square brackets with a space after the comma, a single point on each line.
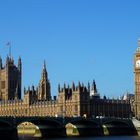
[137, 80]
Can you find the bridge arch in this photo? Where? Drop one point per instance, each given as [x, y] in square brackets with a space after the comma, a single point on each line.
[120, 123]
[83, 127]
[7, 127]
[118, 127]
[5, 124]
[39, 127]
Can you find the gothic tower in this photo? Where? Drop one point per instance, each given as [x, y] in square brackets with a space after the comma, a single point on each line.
[137, 80]
[10, 80]
[44, 86]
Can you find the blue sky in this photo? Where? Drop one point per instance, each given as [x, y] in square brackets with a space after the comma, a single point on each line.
[79, 39]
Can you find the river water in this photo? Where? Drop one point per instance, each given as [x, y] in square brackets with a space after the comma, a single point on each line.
[91, 138]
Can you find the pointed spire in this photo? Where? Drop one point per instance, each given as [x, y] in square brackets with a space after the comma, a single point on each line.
[94, 87]
[33, 88]
[73, 86]
[19, 60]
[24, 90]
[68, 86]
[44, 73]
[64, 86]
[44, 65]
[12, 60]
[58, 87]
[88, 86]
[79, 84]
[19, 64]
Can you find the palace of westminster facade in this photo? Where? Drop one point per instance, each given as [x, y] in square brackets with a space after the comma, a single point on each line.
[75, 101]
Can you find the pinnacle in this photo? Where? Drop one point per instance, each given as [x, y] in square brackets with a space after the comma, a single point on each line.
[44, 65]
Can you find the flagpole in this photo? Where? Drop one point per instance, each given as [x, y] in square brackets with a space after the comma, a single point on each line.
[10, 50]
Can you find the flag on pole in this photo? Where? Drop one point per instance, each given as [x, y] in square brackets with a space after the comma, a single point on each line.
[9, 46]
[8, 43]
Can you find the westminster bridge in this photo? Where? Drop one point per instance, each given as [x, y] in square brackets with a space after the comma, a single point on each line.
[58, 127]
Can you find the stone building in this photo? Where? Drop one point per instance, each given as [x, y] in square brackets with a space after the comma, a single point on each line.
[137, 80]
[110, 108]
[10, 79]
[75, 101]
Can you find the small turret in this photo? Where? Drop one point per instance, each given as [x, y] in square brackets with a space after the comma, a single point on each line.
[94, 91]
[64, 86]
[19, 64]
[68, 87]
[7, 60]
[88, 86]
[24, 90]
[73, 86]
[33, 88]
[59, 87]
[83, 87]
[79, 84]
[12, 61]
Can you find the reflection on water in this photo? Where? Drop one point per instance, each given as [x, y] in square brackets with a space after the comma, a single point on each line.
[90, 138]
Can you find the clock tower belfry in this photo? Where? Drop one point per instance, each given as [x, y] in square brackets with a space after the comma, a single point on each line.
[137, 80]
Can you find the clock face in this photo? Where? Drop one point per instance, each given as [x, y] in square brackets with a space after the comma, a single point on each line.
[138, 63]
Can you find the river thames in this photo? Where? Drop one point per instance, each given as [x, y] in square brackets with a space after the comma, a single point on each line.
[91, 138]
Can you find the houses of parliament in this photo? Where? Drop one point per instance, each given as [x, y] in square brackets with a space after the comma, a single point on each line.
[72, 101]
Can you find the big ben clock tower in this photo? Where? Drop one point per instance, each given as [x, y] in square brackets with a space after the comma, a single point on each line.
[137, 80]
